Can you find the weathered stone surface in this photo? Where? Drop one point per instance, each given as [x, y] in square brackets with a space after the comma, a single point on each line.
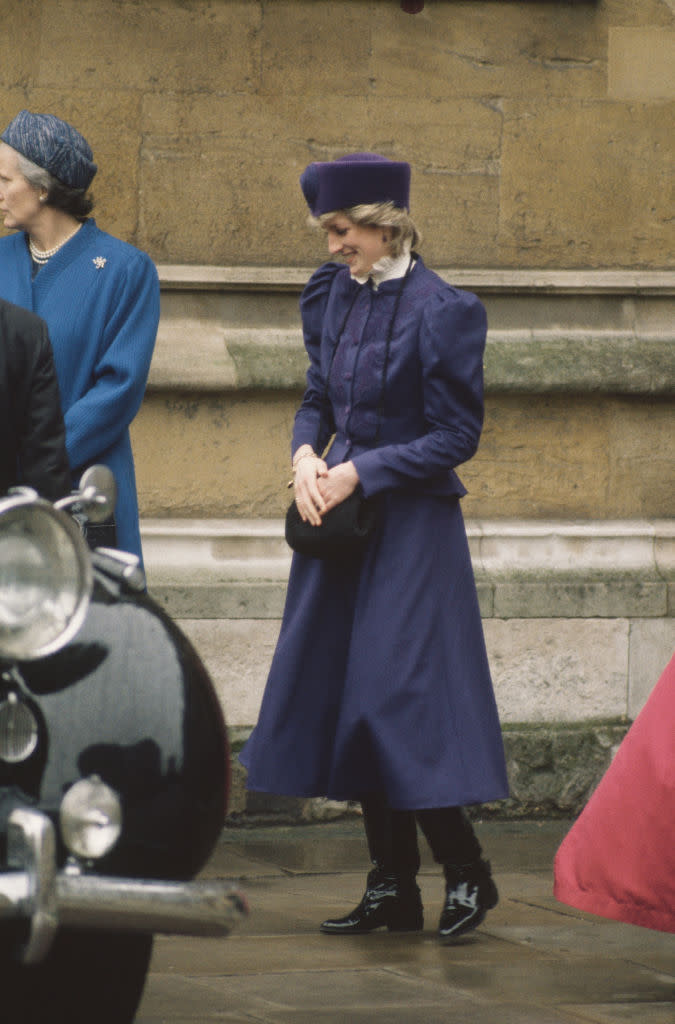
[641, 63]
[200, 353]
[491, 51]
[544, 670]
[538, 132]
[238, 568]
[17, 63]
[552, 771]
[245, 150]
[553, 192]
[642, 447]
[220, 457]
[227, 600]
[564, 670]
[550, 452]
[330, 44]
[544, 457]
[237, 654]
[554, 361]
[652, 645]
[630, 13]
[583, 597]
[168, 45]
[567, 456]
[228, 159]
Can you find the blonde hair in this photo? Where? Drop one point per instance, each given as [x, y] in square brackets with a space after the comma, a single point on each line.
[378, 215]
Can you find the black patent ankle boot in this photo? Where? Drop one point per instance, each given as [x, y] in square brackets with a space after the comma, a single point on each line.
[469, 893]
[388, 902]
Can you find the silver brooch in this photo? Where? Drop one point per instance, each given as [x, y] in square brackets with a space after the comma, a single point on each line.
[99, 262]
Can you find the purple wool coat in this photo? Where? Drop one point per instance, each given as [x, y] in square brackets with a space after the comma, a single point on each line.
[380, 681]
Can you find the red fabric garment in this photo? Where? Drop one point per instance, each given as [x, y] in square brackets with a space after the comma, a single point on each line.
[618, 860]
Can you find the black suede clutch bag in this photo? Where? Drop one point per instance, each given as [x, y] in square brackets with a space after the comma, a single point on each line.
[344, 531]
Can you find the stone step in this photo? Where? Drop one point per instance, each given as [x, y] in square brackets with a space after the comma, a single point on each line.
[201, 356]
[230, 328]
[224, 549]
[239, 568]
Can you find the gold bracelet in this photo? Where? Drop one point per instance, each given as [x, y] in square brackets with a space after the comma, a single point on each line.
[305, 455]
[294, 466]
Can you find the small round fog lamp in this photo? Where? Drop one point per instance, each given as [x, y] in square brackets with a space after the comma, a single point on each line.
[90, 818]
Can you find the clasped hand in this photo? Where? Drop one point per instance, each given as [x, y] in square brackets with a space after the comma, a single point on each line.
[318, 489]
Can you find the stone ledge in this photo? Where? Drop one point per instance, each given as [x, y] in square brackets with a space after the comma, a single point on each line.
[214, 569]
[613, 597]
[237, 328]
[204, 277]
[202, 357]
[560, 361]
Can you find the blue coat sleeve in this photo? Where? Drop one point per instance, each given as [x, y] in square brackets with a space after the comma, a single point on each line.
[98, 419]
[313, 420]
[451, 345]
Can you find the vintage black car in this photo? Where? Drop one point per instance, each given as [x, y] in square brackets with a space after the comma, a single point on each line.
[114, 766]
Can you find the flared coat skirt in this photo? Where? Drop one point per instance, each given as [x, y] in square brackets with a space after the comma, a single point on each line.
[380, 680]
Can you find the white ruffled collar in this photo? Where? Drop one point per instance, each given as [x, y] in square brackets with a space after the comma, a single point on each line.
[386, 269]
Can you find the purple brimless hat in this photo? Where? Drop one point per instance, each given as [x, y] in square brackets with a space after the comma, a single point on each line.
[353, 180]
[54, 145]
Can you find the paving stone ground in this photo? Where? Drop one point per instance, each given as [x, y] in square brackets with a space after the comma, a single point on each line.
[533, 961]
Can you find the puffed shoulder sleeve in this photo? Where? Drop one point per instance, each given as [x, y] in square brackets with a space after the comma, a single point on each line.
[313, 303]
[451, 345]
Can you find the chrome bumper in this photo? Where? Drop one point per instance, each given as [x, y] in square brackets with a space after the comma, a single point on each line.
[32, 889]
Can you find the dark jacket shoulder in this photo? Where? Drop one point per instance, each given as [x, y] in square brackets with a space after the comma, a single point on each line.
[33, 449]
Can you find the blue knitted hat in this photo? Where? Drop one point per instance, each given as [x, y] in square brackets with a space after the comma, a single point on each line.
[353, 180]
[54, 145]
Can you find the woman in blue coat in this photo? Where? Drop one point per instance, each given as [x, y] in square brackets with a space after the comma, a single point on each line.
[379, 689]
[98, 295]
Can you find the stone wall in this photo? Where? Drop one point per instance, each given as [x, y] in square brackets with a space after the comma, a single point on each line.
[579, 375]
[540, 133]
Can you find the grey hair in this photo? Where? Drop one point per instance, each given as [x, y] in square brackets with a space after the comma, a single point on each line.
[73, 201]
[404, 234]
[36, 176]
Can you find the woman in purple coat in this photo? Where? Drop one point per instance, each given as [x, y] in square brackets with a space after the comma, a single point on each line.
[379, 689]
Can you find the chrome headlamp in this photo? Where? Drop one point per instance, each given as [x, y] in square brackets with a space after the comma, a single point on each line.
[19, 730]
[45, 577]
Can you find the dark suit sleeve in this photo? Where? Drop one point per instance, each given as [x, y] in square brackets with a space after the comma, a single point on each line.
[43, 461]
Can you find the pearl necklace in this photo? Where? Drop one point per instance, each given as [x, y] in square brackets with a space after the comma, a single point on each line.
[42, 257]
